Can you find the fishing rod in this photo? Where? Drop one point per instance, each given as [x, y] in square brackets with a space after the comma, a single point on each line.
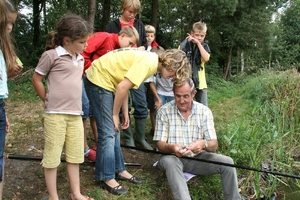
[39, 158]
[218, 163]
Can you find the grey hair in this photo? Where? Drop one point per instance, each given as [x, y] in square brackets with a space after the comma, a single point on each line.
[188, 81]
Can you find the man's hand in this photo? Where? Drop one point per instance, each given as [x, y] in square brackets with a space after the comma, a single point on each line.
[197, 146]
[181, 151]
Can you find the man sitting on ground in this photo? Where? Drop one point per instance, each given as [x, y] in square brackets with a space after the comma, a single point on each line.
[186, 128]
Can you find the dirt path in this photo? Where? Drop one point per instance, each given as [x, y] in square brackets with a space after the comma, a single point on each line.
[23, 180]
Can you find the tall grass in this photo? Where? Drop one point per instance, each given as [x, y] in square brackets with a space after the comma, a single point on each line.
[266, 132]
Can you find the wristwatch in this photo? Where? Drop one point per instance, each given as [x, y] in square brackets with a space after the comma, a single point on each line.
[205, 144]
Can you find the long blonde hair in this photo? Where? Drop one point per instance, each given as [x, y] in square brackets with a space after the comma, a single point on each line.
[6, 44]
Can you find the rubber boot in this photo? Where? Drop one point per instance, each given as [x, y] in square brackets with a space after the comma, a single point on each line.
[128, 137]
[140, 127]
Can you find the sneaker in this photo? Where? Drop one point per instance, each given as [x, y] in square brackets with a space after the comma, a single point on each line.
[91, 155]
[94, 148]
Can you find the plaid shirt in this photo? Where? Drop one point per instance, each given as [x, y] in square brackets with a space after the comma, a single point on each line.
[172, 128]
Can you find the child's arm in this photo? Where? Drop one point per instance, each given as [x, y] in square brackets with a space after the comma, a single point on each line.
[121, 93]
[203, 52]
[125, 117]
[158, 103]
[38, 85]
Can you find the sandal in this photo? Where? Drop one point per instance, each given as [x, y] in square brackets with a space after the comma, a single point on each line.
[118, 190]
[86, 198]
[133, 179]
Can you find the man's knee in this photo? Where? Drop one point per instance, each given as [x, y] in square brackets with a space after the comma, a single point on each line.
[227, 159]
[168, 161]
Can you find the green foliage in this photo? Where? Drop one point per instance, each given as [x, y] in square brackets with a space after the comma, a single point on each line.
[286, 50]
[243, 26]
[21, 88]
[206, 187]
[264, 128]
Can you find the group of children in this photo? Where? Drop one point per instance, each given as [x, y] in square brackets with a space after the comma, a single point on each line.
[88, 71]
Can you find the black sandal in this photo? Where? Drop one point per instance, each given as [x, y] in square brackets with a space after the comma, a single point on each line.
[118, 190]
[133, 179]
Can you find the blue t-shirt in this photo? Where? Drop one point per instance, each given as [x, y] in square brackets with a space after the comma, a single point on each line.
[3, 78]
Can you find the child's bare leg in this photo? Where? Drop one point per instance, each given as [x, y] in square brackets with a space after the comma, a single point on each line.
[50, 178]
[94, 128]
[1, 184]
[73, 175]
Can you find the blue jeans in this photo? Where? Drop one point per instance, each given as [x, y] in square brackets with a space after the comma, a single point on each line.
[85, 103]
[109, 157]
[139, 102]
[2, 136]
[86, 108]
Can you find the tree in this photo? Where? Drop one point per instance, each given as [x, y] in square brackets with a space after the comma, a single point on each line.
[246, 29]
[287, 47]
[91, 12]
[235, 27]
[106, 14]
[37, 7]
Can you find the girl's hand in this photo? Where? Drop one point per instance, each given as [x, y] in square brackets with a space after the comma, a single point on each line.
[116, 122]
[125, 120]
[17, 70]
[7, 125]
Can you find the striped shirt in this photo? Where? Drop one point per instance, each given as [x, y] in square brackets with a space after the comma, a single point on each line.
[172, 128]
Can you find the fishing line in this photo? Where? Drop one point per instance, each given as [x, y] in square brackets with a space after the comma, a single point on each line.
[218, 163]
[39, 158]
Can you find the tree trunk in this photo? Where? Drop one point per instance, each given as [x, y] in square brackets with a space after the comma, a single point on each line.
[69, 5]
[36, 22]
[270, 60]
[154, 13]
[91, 12]
[242, 62]
[106, 14]
[228, 68]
